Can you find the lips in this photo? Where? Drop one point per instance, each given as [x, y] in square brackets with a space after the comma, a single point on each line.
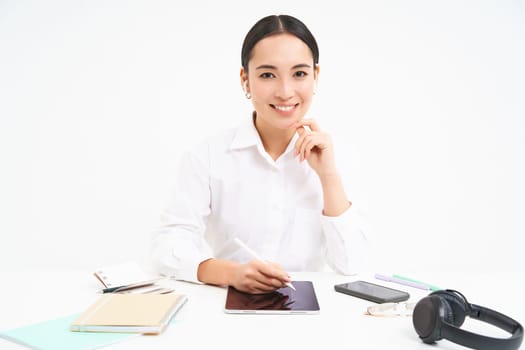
[284, 108]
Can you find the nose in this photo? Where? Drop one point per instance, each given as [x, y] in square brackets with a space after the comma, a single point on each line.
[285, 90]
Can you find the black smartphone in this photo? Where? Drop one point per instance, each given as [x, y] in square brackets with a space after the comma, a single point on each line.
[371, 291]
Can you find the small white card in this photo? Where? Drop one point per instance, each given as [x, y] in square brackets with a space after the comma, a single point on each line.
[121, 275]
[129, 278]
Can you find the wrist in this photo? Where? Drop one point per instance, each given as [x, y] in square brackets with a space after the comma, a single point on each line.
[217, 271]
[231, 269]
[329, 177]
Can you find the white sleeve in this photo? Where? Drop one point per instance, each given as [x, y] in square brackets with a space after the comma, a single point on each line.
[346, 242]
[179, 245]
[348, 235]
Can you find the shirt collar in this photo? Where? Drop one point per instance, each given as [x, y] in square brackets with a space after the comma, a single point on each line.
[247, 135]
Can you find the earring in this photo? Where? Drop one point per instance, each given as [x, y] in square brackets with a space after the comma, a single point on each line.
[246, 93]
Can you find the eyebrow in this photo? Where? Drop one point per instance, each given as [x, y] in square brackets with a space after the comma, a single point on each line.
[269, 66]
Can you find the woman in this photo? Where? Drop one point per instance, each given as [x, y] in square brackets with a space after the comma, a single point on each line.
[272, 182]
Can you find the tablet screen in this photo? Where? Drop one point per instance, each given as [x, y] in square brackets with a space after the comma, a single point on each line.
[303, 300]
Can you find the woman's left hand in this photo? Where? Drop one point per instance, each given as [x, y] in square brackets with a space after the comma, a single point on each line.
[315, 146]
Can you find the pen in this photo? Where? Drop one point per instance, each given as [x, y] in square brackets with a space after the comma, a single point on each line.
[256, 256]
[430, 287]
[131, 286]
[401, 281]
[110, 289]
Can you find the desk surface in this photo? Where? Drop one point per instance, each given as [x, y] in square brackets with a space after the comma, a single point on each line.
[202, 323]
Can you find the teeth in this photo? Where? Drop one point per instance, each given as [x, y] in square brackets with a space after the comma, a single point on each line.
[284, 108]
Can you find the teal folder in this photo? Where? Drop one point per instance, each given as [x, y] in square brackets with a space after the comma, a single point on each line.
[55, 335]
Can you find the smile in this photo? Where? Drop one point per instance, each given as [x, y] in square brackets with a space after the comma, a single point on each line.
[284, 108]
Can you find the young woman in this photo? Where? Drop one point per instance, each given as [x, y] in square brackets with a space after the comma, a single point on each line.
[272, 182]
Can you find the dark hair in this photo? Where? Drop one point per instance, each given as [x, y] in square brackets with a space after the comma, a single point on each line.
[276, 24]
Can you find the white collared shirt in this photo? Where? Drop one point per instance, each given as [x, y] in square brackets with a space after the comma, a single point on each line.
[230, 187]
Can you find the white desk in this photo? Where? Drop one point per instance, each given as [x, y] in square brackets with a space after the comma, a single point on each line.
[202, 323]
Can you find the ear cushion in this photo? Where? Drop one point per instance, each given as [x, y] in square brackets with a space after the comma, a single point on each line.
[454, 307]
[426, 319]
[448, 312]
[436, 308]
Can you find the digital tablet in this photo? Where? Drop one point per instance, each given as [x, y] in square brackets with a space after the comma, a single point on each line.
[303, 300]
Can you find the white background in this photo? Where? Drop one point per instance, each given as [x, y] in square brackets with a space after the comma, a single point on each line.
[425, 101]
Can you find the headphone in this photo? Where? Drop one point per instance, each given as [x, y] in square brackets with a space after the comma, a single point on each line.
[440, 314]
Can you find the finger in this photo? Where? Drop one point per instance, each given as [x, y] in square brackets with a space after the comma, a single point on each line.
[268, 282]
[308, 144]
[273, 275]
[257, 282]
[302, 134]
[264, 277]
[271, 271]
[319, 139]
[276, 265]
[277, 283]
[311, 123]
[260, 287]
[284, 276]
[314, 143]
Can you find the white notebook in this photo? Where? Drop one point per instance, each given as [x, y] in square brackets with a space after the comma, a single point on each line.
[129, 277]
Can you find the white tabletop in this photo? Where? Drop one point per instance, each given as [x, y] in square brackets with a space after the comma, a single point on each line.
[32, 296]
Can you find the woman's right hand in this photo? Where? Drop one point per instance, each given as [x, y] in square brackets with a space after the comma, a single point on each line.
[258, 277]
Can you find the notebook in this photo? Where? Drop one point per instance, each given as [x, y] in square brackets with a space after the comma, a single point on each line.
[55, 335]
[129, 277]
[121, 274]
[303, 300]
[130, 313]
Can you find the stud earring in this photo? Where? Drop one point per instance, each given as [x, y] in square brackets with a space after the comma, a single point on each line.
[246, 93]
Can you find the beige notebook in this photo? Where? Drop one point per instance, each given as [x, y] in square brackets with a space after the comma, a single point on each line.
[130, 313]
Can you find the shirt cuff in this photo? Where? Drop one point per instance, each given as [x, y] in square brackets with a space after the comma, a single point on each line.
[179, 263]
[342, 222]
[188, 270]
[346, 240]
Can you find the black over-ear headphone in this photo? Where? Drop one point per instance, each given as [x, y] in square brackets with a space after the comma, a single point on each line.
[440, 314]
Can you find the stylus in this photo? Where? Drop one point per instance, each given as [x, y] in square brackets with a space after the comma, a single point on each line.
[256, 256]
[401, 281]
[429, 286]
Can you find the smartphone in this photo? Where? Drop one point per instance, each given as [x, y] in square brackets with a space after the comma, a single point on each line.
[372, 292]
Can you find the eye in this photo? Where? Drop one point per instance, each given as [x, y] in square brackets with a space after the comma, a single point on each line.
[267, 75]
[300, 74]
